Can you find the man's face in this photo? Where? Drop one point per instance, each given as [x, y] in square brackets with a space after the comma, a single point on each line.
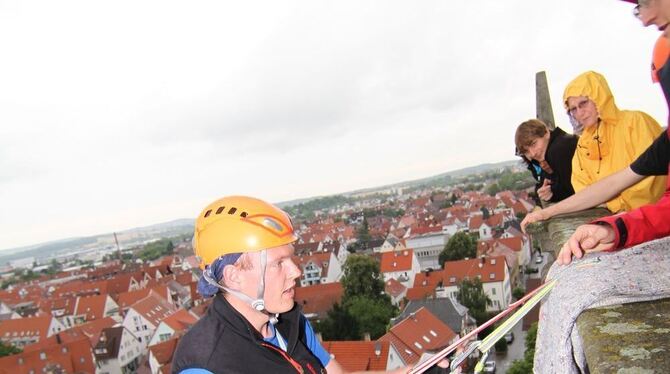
[654, 12]
[583, 110]
[280, 279]
[537, 150]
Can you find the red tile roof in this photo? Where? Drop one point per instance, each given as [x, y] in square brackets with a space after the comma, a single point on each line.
[91, 329]
[73, 357]
[319, 298]
[25, 327]
[396, 261]
[126, 299]
[475, 222]
[164, 351]
[425, 230]
[420, 332]
[420, 293]
[394, 288]
[181, 320]
[154, 308]
[492, 270]
[359, 355]
[122, 282]
[495, 220]
[81, 288]
[93, 307]
[64, 305]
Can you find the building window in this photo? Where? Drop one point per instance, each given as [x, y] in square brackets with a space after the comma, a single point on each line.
[43, 356]
[492, 276]
[493, 261]
[493, 291]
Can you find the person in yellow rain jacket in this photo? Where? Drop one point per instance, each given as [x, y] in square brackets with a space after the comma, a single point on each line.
[611, 140]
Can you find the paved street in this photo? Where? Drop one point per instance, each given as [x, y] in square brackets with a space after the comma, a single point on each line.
[514, 351]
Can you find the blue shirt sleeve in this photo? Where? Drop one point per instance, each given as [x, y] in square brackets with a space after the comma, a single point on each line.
[195, 371]
[314, 345]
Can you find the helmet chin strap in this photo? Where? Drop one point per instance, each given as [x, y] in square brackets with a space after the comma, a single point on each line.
[257, 304]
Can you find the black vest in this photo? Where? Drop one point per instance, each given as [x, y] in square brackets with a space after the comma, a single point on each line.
[223, 341]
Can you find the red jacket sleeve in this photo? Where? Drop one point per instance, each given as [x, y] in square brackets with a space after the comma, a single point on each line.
[640, 225]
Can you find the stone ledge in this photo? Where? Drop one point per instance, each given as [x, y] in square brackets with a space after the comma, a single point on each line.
[625, 339]
[629, 338]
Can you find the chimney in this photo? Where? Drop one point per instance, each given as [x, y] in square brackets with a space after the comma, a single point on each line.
[366, 337]
[378, 349]
[482, 261]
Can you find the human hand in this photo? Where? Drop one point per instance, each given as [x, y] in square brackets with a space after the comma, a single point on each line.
[587, 238]
[544, 192]
[532, 217]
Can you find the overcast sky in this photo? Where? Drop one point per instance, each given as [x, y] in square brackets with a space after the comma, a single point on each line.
[127, 113]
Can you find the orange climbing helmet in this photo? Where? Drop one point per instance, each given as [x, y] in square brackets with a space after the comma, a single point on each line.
[660, 57]
[238, 224]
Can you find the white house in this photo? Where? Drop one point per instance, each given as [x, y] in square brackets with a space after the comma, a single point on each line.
[491, 271]
[117, 351]
[144, 316]
[400, 265]
[427, 248]
[318, 268]
[178, 322]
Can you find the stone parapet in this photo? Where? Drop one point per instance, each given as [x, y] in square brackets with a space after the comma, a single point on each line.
[629, 338]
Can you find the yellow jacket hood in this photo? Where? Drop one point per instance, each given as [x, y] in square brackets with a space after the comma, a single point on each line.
[594, 86]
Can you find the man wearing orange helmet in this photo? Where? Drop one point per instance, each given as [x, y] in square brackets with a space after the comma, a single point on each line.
[253, 325]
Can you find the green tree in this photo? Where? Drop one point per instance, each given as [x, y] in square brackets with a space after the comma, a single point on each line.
[520, 216]
[518, 292]
[363, 234]
[472, 296]
[364, 307]
[331, 326]
[372, 315]
[362, 278]
[459, 246]
[493, 189]
[7, 349]
[501, 345]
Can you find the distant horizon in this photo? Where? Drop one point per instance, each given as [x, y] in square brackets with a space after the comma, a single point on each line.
[74, 237]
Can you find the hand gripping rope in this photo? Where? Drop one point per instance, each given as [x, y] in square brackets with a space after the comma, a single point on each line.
[528, 302]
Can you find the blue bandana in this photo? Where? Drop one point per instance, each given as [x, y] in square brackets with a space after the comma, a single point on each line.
[215, 271]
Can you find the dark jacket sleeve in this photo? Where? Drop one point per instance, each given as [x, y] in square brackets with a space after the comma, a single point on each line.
[559, 155]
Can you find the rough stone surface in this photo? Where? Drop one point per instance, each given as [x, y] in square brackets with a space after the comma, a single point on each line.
[625, 339]
[556, 231]
[635, 341]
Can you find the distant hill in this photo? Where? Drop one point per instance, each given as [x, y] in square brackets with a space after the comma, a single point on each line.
[126, 238]
[417, 182]
[136, 236]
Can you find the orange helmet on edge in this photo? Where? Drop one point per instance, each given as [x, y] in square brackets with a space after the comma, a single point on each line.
[238, 224]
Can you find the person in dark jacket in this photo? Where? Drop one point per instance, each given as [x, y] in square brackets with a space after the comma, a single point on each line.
[253, 324]
[548, 155]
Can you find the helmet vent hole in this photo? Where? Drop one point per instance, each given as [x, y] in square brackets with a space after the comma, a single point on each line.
[207, 213]
[218, 211]
[243, 214]
[232, 210]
